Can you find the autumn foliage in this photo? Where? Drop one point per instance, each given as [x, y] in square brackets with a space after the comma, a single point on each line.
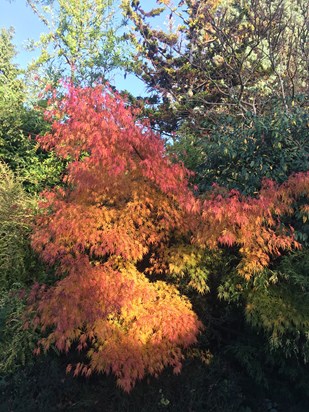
[123, 204]
[120, 204]
[256, 225]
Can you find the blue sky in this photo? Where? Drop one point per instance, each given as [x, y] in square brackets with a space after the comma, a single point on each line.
[17, 14]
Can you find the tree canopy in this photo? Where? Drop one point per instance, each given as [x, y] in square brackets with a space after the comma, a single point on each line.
[83, 41]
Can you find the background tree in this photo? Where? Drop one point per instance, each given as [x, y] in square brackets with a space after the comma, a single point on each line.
[223, 55]
[83, 42]
[11, 99]
[229, 84]
[20, 122]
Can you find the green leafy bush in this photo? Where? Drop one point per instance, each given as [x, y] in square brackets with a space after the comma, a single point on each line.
[239, 153]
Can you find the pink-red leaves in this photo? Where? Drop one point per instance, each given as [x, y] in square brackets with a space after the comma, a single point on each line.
[122, 200]
[254, 224]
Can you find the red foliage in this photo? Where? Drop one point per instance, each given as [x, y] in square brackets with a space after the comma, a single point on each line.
[254, 224]
[122, 200]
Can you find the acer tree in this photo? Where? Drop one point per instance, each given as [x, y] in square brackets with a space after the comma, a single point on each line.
[125, 228]
[119, 207]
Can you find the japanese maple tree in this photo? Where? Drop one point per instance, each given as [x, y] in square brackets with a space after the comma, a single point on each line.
[121, 202]
[123, 226]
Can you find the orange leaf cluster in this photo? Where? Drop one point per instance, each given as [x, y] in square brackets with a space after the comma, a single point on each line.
[253, 224]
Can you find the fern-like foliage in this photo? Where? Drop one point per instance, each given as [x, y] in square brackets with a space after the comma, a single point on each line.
[16, 215]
